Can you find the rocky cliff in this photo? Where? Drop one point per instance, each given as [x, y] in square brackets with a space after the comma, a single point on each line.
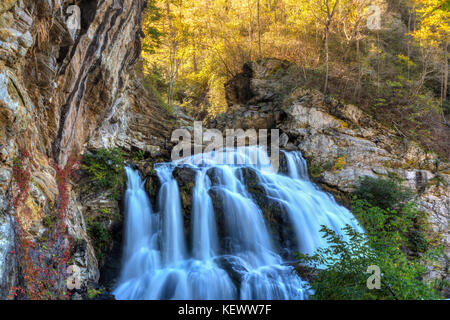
[340, 141]
[62, 92]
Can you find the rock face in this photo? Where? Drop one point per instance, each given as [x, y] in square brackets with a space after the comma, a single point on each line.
[64, 90]
[341, 142]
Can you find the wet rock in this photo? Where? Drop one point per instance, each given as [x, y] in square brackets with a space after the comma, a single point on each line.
[275, 214]
[185, 176]
[152, 186]
[284, 140]
[283, 169]
[217, 198]
[280, 226]
[234, 268]
[249, 176]
[215, 175]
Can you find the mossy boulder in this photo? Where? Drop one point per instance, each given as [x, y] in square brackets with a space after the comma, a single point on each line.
[152, 182]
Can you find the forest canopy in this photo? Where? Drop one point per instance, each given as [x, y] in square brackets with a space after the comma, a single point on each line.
[389, 57]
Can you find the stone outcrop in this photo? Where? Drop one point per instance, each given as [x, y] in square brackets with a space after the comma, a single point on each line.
[341, 143]
[63, 91]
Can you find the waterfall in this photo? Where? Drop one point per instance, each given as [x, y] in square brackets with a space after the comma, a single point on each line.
[174, 248]
[246, 222]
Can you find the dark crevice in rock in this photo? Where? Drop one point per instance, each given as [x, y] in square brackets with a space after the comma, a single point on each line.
[88, 12]
[238, 90]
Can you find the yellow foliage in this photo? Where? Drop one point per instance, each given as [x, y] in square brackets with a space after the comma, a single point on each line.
[339, 164]
[343, 124]
[204, 43]
[434, 25]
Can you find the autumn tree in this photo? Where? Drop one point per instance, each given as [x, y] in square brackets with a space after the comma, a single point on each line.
[433, 35]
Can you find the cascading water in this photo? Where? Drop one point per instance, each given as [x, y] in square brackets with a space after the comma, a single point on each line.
[231, 253]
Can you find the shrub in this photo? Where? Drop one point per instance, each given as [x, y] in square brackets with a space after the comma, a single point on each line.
[49, 221]
[408, 224]
[316, 169]
[339, 164]
[42, 265]
[105, 169]
[92, 293]
[383, 193]
[342, 268]
[139, 155]
[391, 236]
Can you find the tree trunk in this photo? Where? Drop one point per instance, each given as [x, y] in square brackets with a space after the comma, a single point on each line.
[330, 15]
[250, 29]
[326, 60]
[172, 55]
[445, 95]
[358, 84]
[259, 29]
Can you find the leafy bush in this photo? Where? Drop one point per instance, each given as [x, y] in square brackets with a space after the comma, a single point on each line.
[342, 268]
[391, 236]
[316, 169]
[408, 224]
[139, 155]
[92, 293]
[49, 221]
[105, 169]
[383, 193]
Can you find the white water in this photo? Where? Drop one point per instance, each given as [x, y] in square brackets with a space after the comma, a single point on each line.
[160, 263]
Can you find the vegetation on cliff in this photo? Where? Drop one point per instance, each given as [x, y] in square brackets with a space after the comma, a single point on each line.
[42, 261]
[104, 170]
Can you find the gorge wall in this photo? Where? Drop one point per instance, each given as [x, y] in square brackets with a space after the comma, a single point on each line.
[63, 92]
